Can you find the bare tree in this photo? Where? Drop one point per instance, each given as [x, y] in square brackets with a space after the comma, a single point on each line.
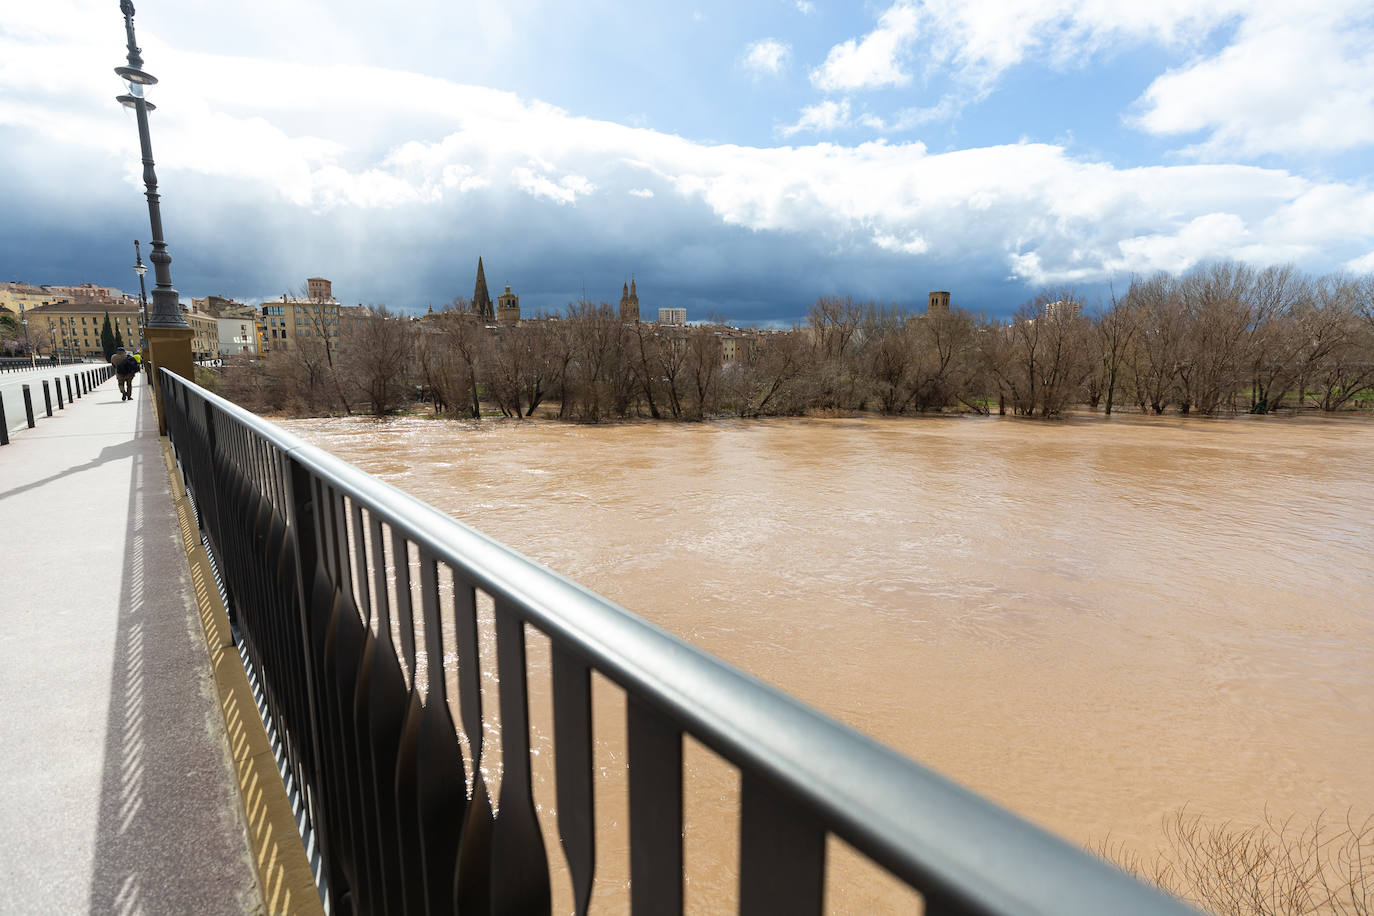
[597, 337]
[703, 371]
[892, 353]
[377, 356]
[1048, 355]
[1114, 331]
[1273, 868]
[833, 324]
[646, 361]
[1336, 356]
[1156, 356]
[1216, 299]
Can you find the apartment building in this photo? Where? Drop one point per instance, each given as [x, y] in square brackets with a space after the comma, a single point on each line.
[289, 323]
[238, 331]
[73, 328]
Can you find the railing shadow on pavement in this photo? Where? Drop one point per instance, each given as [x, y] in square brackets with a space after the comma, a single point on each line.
[340, 587]
[162, 844]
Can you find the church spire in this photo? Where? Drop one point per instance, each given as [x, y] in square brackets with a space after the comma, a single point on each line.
[481, 299]
[629, 302]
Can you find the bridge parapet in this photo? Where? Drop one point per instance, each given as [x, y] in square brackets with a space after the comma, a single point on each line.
[26, 398]
[310, 549]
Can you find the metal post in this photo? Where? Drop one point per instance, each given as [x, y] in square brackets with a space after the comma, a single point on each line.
[58, 386]
[142, 299]
[47, 398]
[69, 389]
[4, 425]
[28, 406]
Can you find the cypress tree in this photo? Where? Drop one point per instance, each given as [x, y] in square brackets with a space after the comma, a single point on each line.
[119, 338]
[107, 337]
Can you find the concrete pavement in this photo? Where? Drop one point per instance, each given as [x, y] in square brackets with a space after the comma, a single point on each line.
[119, 795]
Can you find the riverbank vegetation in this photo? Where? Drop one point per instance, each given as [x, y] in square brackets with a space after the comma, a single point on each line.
[1273, 868]
[1219, 340]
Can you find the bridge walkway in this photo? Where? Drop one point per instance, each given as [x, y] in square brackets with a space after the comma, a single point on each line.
[119, 790]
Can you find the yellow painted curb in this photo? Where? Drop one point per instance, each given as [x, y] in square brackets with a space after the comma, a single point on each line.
[288, 886]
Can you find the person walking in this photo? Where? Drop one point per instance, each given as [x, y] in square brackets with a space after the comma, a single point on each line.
[126, 367]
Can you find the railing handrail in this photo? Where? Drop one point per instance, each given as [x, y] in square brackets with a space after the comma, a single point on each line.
[936, 835]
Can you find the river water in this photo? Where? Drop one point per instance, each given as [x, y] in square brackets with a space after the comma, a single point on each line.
[1091, 622]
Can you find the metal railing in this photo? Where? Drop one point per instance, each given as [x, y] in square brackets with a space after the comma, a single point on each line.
[322, 564]
[79, 384]
[24, 363]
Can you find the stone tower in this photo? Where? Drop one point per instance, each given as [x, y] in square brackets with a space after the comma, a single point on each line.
[319, 289]
[481, 299]
[629, 303]
[508, 307]
[939, 302]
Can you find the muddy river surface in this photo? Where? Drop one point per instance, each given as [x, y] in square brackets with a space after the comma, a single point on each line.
[1091, 622]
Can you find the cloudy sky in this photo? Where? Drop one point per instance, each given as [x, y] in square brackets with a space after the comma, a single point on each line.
[738, 159]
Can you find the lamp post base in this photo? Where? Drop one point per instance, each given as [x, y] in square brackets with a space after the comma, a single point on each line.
[170, 351]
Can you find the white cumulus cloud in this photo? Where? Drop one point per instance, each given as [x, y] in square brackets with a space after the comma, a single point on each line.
[876, 60]
[766, 57]
[1296, 80]
[1361, 265]
[1290, 78]
[823, 116]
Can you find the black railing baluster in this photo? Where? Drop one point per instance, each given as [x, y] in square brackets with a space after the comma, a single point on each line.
[655, 762]
[382, 695]
[28, 406]
[782, 853]
[437, 760]
[519, 868]
[318, 609]
[47, 398]
[472, 888]
[367, 805]
[299, 493]
[57, 385]
[407, 787]
[572, 739]
[343, 655]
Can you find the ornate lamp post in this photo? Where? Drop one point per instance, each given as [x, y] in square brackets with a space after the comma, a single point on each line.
[166, 333]
[141, 269]
[24, 320]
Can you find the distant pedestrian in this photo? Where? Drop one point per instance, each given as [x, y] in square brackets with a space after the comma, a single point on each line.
[126, 367]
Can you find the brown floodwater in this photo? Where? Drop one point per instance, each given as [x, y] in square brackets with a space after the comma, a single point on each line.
[1093, 623]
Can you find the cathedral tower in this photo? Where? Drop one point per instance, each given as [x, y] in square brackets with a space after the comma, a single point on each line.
[481, 299]
[508, 307]
[629, 303]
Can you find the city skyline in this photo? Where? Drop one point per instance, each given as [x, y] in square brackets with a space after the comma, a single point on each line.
[738, 163]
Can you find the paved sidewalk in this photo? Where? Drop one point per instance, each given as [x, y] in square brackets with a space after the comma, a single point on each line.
[119, 795]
